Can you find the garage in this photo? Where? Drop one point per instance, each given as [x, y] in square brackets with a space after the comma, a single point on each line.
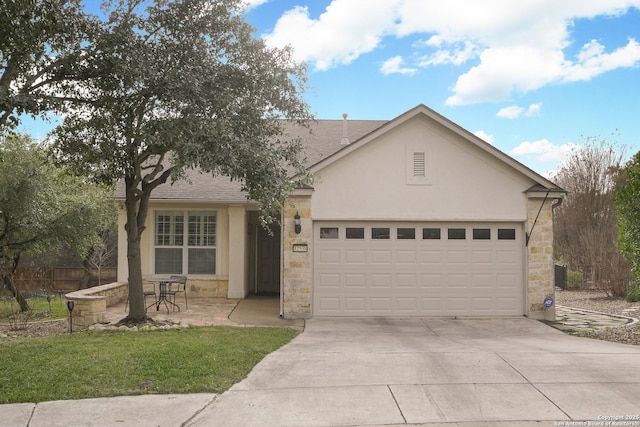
[418, 269]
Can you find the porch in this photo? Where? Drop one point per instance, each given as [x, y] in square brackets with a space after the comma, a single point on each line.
[251, 311]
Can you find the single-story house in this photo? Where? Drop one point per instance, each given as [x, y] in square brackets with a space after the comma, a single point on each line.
[409, 217]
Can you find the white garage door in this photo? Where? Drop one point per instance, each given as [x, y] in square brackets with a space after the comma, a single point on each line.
[418, 269]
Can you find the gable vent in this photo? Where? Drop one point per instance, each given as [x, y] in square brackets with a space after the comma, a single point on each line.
[419, 166]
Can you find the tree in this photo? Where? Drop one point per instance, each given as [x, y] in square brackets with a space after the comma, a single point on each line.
[184, 84]
[585, 223]
[101, 255]
[628, 209]
[43, 47]
[43, 208]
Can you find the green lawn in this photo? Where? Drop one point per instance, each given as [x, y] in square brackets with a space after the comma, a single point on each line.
[103, 364]
[41, 309]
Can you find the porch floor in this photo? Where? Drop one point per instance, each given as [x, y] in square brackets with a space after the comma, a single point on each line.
[252, 311]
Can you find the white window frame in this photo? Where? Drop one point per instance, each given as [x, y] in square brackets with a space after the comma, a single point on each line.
[185, 242]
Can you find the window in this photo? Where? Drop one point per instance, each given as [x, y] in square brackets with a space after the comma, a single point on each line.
[456, 233]
[172, 255]
[431, 233]
[328, 232]
[506, 234]
[481, 234]
[380, 233]
[406, 233]
[355, 233]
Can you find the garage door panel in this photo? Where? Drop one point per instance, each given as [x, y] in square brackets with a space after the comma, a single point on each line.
[328, 280]
[407, 280]
[432, 257]
[381, 257]
[380, 280]
[355, 304]
[355, 280]
[407, 257]
[330, 256]
[457, 256]
[417, 277]
[355, 256]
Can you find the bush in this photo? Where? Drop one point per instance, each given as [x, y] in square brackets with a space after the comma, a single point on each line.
[633, 295]
[575, 279]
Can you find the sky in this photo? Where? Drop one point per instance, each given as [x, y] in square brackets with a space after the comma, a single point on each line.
[535, 78]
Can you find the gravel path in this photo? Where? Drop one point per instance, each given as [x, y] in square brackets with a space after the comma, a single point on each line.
[599, 301]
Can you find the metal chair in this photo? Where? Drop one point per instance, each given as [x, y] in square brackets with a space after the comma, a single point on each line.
[146, 292]
[178, 287]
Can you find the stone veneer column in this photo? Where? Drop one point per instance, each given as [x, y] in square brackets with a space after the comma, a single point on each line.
[540, 268]
[297, 266]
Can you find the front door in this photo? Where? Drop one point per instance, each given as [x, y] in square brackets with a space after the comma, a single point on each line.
[268, 271]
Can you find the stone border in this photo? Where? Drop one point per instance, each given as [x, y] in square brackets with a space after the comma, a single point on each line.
[90, 305]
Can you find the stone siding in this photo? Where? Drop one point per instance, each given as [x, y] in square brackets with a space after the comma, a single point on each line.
[540, 268]
[297, 266]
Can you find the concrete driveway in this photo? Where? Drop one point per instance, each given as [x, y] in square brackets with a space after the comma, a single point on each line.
[429, 371]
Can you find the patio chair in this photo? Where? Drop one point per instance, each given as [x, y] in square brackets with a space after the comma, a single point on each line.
[176, 288]
[146, 292]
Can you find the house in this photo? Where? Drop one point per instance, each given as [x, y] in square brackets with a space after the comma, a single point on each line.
[409, 217]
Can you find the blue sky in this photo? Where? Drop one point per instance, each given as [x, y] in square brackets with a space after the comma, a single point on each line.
[533, 77]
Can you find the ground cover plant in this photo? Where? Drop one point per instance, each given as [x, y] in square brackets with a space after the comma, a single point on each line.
[115, 363]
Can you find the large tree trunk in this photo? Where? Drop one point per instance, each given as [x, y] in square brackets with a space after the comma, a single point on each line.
[7, 279]
[134, 229]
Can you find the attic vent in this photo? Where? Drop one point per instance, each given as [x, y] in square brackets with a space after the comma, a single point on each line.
[345, 133]
[419, 166]
[418, 163]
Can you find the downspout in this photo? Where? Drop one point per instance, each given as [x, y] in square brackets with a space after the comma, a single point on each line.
[536, 220]
[282, 226]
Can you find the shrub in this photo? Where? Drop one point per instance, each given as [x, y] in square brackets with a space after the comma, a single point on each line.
[633, 295]
[575, 279]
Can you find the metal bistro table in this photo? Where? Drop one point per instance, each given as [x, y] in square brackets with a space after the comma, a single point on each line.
[164, 283]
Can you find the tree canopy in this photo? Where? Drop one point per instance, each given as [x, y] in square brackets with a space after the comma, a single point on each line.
[184, 84]
[44, 208]
[43, 51]
[628, 208]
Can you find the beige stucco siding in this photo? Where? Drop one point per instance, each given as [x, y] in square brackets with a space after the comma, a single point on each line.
[201, 283]
[464, 182]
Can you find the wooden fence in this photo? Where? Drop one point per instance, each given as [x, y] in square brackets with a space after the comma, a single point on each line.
[56, 279]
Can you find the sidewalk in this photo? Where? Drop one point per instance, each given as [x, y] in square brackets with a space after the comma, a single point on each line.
[177, 410]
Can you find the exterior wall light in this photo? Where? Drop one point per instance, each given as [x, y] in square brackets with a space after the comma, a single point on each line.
[297, 223]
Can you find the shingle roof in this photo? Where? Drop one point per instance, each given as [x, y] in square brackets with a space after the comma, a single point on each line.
[319, 142]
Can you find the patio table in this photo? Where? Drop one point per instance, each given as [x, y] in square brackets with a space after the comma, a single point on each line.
[164, 283]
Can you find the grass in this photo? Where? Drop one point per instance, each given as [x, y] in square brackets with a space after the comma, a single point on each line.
[105, 364]
[41, 308]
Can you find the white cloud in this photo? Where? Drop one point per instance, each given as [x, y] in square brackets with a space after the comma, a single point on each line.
[254, 3]
[484, 136]
[534, 109]
[514, 49]
[515, 111]
[346, 30]
[393, 66]
[544, 151]
[512, 112]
